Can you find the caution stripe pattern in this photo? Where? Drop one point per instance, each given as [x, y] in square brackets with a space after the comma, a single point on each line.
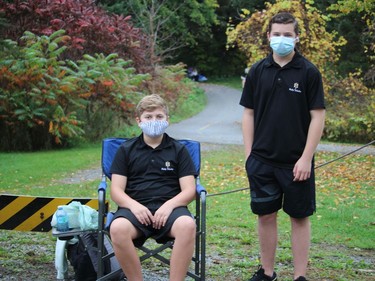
[28, 213]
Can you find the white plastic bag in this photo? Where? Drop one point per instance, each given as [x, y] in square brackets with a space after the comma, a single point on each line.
[88, 217]
[79, 216]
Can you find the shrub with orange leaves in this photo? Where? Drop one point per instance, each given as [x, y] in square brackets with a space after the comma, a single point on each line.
[46, 102]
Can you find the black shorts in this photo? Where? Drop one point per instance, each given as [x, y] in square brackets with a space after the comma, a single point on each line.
[273, 188]
[160, 235]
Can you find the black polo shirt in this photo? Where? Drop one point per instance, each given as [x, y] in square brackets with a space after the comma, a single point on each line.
[282, 98]
[152, 174]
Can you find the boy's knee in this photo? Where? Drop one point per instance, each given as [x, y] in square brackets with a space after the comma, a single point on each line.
[184, 225]
[119, 229]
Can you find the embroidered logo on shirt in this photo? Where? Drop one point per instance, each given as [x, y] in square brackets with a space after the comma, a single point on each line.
[295, 89]
[167, 167]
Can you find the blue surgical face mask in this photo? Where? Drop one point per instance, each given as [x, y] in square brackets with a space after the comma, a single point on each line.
[281, 45]
[154, 128]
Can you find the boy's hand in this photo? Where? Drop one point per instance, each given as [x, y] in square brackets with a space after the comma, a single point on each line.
[302, 169]
[161, 216]
[143, 214]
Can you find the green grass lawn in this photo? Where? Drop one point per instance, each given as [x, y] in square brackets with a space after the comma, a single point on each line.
[232, 82]
[38, 173]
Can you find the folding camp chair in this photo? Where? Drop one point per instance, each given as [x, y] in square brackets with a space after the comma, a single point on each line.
[109, 149]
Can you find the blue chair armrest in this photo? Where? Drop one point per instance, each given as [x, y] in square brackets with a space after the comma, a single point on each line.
[200, 188]
[103, 184]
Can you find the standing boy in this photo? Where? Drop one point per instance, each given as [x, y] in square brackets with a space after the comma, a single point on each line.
[152, 183]
[282, 124]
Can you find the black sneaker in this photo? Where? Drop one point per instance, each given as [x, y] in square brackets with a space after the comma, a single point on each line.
[301, 278]
[260, 276]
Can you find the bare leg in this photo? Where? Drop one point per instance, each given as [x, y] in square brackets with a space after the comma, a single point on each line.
[122, 235]
[267, 231]
[183, 230]
[300, 245]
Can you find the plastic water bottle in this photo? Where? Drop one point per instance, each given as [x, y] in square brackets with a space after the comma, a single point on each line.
[62, 220]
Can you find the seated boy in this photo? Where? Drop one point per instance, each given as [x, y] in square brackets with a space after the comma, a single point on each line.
[152, 183]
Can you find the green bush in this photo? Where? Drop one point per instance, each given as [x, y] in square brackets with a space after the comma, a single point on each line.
[350, 111]
[47, 102]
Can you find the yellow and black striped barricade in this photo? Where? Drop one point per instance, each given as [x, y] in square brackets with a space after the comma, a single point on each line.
[31, 213]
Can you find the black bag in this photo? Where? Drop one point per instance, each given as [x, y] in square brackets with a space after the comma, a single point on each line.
[83, 256]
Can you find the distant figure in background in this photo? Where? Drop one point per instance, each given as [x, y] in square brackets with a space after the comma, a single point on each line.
[193, 74]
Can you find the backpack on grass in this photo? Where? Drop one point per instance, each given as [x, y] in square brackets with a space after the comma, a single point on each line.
[83, 256]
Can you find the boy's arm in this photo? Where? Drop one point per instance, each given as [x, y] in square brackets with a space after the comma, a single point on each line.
[186, 195]
[302, 168]
[118, 195]
[248, 130]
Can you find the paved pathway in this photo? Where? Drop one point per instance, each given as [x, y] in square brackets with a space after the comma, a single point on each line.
[219, 122]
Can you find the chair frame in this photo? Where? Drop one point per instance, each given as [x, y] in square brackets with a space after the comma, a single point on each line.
[199, 259]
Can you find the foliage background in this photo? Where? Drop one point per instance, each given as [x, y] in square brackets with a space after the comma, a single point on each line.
[350, 99]
[71, 71]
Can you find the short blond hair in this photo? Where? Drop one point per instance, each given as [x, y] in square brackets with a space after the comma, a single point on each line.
[150, 103]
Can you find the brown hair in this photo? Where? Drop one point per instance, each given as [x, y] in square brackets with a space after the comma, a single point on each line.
[150, 103]
[284, 18]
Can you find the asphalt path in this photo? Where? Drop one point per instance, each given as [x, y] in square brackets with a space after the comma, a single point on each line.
[220, 123]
